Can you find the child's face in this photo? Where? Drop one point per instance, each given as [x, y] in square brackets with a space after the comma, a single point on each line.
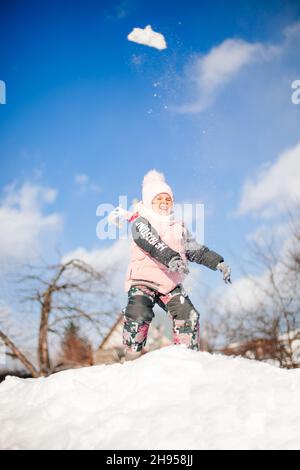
[162, 204]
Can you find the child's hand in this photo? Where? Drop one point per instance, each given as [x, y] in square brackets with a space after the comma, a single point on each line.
[118, 215]
[177, 265]
[225, 269]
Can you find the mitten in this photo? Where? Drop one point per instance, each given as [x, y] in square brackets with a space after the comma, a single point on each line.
[226, 271]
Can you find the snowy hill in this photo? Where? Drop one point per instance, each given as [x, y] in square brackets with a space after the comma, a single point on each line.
[171, 398]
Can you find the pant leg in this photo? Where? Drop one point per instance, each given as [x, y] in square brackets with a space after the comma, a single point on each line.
[137, 317]
[185, 317]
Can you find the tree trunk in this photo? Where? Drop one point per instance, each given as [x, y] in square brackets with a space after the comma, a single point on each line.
[43, 351]
[19, 355]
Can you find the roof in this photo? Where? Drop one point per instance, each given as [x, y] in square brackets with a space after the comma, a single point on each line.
[114, 337]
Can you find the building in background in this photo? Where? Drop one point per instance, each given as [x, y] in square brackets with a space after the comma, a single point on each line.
[111, 350]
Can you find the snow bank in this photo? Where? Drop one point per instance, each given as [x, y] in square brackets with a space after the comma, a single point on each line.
[172, 398]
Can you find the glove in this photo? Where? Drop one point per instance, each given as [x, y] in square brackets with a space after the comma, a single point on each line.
[225, 269]
[177, 265]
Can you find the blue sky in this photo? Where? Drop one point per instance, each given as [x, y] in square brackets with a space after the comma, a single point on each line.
[81, 116]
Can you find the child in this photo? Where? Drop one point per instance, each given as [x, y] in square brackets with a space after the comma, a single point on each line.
[161, 249]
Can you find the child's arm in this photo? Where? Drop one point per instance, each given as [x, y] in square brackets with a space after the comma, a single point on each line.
[201, 254]
[147, 238]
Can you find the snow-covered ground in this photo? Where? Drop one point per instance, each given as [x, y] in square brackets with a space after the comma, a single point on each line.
[172, 398]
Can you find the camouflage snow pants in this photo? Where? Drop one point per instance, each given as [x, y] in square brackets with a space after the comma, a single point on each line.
[138, 315]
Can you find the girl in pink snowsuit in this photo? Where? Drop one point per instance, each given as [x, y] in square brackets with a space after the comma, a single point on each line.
[161, 248]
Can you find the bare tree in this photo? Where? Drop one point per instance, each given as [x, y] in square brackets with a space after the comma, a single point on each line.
[270, 328]
[70, 290]
[19, 355]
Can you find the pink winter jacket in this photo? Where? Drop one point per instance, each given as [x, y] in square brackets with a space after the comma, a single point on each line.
[145, 268]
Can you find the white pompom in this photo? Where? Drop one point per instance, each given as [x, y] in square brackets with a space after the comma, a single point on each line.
[153, 176]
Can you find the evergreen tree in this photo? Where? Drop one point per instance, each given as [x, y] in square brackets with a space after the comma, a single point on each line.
[76, 349]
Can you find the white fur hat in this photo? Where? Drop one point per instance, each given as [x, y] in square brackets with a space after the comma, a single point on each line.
[153, 184]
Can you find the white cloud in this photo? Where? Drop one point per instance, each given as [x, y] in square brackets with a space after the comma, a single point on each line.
[266, 232]
[112, 261]
[119, 10]
[103, 258]
[219, 66]
[224, 61]
[276, 187]
[23, 224]
[147, 37]
[85, 184]
[276, 243]
[243, 295]
[250, 293]
[114, 258]
[292, 30]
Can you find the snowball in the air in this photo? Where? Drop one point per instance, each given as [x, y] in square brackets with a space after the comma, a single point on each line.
[147, 37]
